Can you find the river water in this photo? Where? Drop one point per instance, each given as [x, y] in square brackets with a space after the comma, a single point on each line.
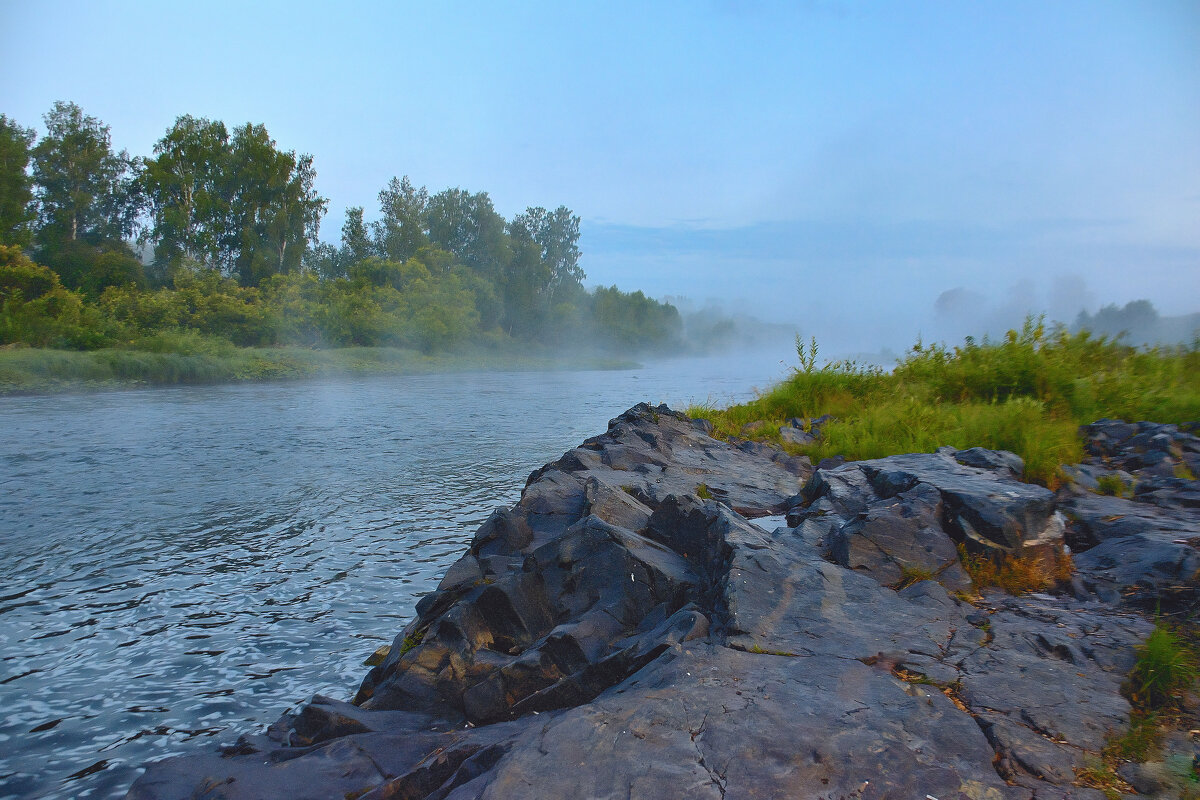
[180, 565]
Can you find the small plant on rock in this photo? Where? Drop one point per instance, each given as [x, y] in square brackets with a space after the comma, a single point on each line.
[1111, 484]
[910, 575]
[1016, 574]
[1165, 669]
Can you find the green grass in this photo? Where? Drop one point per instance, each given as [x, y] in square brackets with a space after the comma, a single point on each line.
[173, 358]
[910, 575]
[1113, 485]
[1165, 669]
[1027, 393]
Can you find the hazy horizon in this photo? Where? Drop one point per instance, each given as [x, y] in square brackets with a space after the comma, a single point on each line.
[863, 172]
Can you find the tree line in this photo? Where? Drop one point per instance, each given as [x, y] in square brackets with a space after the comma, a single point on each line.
[216, 232]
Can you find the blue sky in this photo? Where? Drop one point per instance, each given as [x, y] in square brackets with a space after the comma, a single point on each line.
[837, 165]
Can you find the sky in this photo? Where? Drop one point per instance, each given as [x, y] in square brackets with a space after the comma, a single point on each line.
[866, 172]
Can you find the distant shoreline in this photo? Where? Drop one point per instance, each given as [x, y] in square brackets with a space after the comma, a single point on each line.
[27, 371]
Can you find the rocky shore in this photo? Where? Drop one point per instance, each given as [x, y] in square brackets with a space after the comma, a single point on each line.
[626, 631]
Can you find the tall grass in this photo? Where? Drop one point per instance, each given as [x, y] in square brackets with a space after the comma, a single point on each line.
[1027, 393]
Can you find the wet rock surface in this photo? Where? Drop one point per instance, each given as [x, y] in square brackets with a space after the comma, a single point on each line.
[626, 630]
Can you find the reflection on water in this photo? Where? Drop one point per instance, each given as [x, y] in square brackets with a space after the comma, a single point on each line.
[184, 564]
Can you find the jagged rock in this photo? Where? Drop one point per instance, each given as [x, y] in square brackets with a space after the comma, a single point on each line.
[1143, 548]
[616, 635]
[896, 542]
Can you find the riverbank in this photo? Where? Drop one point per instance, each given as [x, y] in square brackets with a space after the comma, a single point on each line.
[857, 652]
[32, 371]
[1027, 393]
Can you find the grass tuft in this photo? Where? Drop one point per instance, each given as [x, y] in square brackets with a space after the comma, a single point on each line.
[1165, 669]
[1111, 484]
[910, 575]
[1016, 574]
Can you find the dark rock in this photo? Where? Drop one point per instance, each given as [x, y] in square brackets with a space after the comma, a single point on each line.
[897, 541]
[616, 635]
[1000, 461]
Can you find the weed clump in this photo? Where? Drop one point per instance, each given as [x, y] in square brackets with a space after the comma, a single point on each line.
[1016, 574]
[411, 641]
[910, 575]
[1165, 669]
[1112, 485]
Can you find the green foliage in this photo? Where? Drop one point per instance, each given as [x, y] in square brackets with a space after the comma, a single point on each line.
[36, 309]
[233, 221]
[807, 355]
[703, 492]
[1166, 667]
[1138, 743]
[235, 202]
[85, 190]
[630, 319]
[1114, 485]
[16, 188]
[1027, 393]
[21, 279]
[91, 268]
[1164, 671]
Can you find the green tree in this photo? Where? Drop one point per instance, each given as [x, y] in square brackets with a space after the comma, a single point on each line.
[231, 202]
[91, 268]
[524, 292]
[400, 232]
[274, 211]
[186, 187]
[543, 278]
[556, 234]
[16, 187]
[468, 226]
[85, 190]
[356, 238]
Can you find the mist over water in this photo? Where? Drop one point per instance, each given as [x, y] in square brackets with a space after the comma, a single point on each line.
[181, 565]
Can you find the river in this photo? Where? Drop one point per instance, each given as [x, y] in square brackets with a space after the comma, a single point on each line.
[184, 564]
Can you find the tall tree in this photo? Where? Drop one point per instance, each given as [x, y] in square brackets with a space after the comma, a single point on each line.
[400, 232]
[16, 187]
[85, 190]
[468, 226]
[356, 238]
[275, 212]
[186, 187]
[556, 235]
